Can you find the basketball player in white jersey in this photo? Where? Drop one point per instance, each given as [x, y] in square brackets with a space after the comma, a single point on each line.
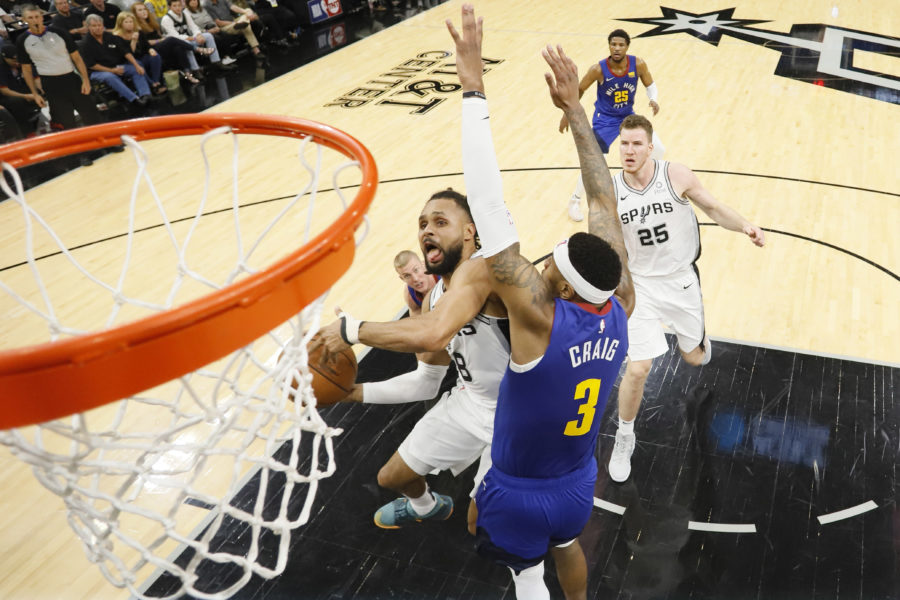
[462, 321]
[663, 242]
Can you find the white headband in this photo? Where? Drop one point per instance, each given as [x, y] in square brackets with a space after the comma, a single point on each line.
[584, 289]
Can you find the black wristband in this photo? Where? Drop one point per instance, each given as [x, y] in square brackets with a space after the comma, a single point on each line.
[344, 331]
[474, 94]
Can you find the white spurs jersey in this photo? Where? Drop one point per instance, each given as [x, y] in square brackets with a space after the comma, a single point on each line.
[480, 351]
[660, 228]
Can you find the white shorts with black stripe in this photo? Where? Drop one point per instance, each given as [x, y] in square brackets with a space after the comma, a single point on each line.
[452, 435]
[674, 301]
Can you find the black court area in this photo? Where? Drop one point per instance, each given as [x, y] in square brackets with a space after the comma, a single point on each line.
[766, 474]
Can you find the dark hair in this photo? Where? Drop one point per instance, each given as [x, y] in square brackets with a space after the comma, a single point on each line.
[595, 260]
[619, 33]
[636, 121]
[461, 201]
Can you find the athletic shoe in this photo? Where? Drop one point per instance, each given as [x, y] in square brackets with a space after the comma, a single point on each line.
[620, 463]
[228, 61]
[575, 209]
[399, 513]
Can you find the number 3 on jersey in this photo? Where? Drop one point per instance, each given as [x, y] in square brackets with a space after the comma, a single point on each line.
[591, 388]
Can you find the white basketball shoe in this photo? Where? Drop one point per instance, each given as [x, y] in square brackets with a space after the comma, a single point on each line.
[620, 462]
[575, 209]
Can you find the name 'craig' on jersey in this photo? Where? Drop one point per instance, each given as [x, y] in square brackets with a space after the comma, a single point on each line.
[480, 351]
[660, 228]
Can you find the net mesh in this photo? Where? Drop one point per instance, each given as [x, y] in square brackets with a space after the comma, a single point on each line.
[192, 480]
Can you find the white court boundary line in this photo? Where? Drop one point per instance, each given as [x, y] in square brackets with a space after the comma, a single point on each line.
[614, 508]
[847, 512]
[722, 527]
[858, 359]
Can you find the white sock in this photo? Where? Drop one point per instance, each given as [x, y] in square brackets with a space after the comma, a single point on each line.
[626, 426]
[707, 352]
[530, 583]
[579, 188]
[423, 504]
[658, 148]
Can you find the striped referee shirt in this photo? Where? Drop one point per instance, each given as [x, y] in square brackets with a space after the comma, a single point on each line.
[48, 52]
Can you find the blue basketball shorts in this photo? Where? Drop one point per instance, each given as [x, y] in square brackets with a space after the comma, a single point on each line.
[606, 130]
[519, 518]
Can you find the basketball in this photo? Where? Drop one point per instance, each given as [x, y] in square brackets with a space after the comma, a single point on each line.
[333, 374]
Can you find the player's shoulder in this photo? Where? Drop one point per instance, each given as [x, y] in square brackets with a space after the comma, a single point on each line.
[678, 171]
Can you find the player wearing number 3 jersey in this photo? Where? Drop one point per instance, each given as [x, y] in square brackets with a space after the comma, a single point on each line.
[663, 241]
[568, 339]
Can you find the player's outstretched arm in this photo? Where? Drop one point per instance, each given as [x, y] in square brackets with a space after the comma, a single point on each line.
[603, 218]
[430, 331]
[684, 179]
[516, 281]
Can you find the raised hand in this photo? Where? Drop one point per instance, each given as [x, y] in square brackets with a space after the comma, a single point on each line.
[468, 50]
[563, 82]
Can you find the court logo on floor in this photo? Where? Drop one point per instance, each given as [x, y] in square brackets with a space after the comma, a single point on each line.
[820, 54]
[418, 84]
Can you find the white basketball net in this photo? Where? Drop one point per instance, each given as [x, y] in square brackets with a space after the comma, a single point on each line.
[151, 484]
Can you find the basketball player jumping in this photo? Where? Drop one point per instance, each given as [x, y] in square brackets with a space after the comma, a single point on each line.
[616, 78]
[568, 339]
[663, 241]
[462, 321]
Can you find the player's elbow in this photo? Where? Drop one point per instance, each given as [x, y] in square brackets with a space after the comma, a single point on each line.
[432, 339]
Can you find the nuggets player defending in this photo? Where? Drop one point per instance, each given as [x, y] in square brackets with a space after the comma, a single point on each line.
[616, 78]
[663, 241]
[568, 337]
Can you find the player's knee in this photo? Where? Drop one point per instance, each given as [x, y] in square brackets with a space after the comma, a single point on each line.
[387, 477]
[638, 370]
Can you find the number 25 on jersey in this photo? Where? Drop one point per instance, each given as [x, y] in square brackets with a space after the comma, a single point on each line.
[582, 425]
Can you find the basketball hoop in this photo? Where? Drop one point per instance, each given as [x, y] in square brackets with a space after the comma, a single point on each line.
[200, 380]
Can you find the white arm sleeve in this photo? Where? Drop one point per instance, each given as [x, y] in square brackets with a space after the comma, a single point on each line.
[421, 384]
[484, 186]
[652, 92]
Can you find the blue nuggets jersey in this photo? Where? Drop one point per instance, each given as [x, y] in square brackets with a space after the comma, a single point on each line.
[615, 95]
[548, 416]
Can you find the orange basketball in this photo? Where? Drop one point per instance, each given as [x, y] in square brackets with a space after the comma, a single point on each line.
[333, 374]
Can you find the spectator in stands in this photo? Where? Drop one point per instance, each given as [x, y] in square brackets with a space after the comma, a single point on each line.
[175, 52]
[279, 21]
[53, 53]
[158, 7]
[226, 13]
[179, 24]
[230, 32]
[108, 12]
[228, 35]
[110, 61]
[14, 93]
[72, 20]
[126, 28]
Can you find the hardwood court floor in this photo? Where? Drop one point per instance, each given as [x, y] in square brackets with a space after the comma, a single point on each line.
[802, 146]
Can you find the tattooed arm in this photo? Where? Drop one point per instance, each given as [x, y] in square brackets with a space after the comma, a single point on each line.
[603, 218]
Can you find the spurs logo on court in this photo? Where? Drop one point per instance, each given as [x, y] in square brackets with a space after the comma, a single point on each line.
[419, 84]
[813, 53]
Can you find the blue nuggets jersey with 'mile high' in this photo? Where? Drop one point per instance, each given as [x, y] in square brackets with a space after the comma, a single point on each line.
[615, 95]
[548, 417]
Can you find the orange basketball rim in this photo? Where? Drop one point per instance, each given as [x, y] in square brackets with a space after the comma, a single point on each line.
[51, 380]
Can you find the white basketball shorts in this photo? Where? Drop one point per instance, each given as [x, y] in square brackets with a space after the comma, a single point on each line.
[674, 301]
[452, 435]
